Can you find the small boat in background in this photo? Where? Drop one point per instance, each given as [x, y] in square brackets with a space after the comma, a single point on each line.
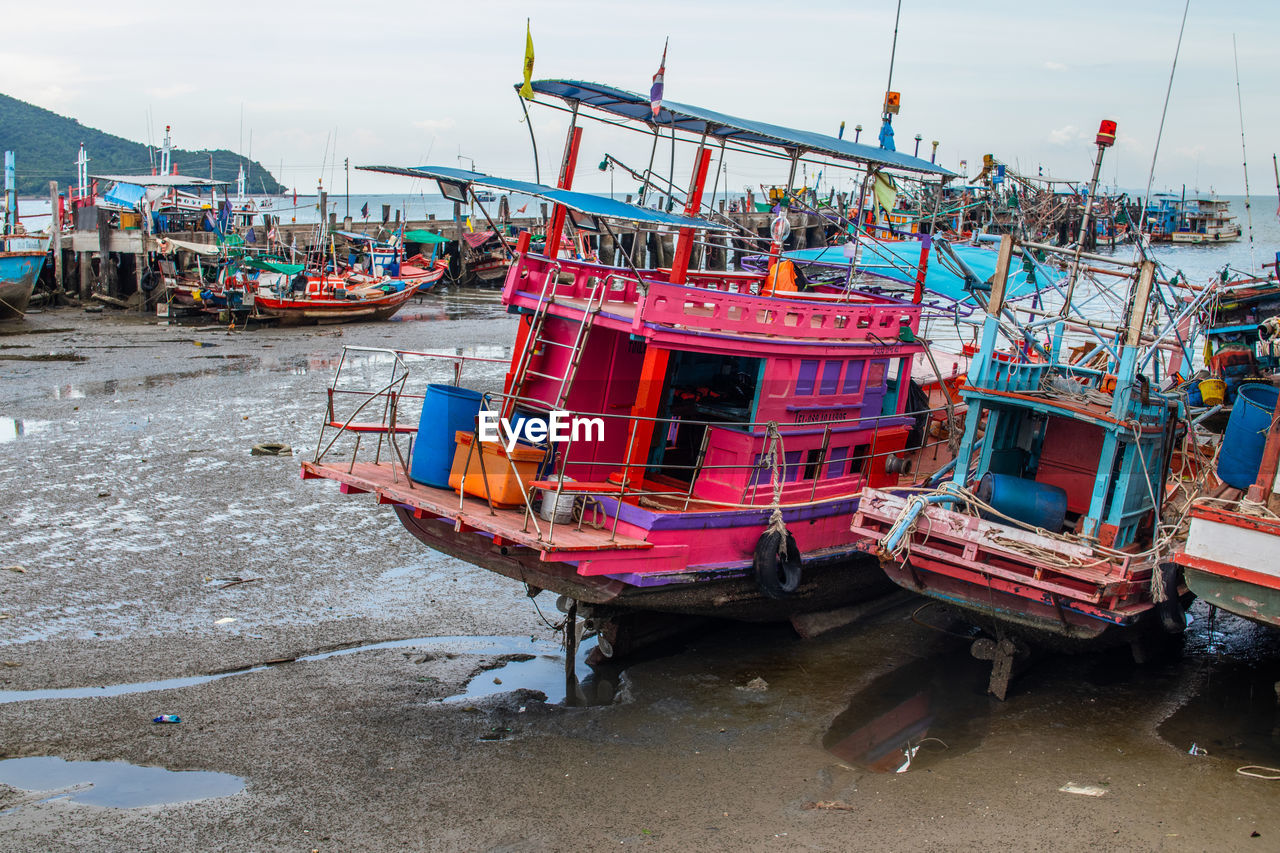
[330, 300]
[1206, 220]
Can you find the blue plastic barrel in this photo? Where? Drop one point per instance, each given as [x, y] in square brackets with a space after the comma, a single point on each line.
[1037, 504]
[445, 411]
[1246, 434]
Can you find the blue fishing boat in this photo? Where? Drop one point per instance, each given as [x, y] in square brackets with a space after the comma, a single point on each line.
[19, 270]
[21, 256]
[1049, 527]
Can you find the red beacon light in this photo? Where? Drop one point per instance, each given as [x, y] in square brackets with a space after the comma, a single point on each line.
[1106, 134]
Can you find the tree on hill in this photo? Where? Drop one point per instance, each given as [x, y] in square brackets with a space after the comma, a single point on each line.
[46, 145]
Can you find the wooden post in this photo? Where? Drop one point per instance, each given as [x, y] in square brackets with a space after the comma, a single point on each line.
[55, 233]
[1138, 308]
[462, 246]
[85, 268]
[995, 304]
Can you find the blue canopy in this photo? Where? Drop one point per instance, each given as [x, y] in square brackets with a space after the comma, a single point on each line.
[899, 260]
[592, 205]
[720, 126]
[124, 195]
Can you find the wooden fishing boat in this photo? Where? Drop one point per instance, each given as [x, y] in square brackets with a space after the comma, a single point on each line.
[334, 302]
[18, 273]
[1050, 527]
[1206, 220]
[21, 255]
[1229, 558]
[738, 419]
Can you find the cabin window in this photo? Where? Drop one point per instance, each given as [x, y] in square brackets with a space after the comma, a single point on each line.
[837, 462]
[830, 377]
[852, 378]
[700, 388]
[812, 463]
[860, 454]
[808, 374]
[876, 374]
[791, 472]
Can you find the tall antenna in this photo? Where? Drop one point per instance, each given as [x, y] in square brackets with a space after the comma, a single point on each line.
[1244, 157]
[1146, 198]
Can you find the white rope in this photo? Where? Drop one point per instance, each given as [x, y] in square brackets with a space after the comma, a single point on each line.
[775, 456]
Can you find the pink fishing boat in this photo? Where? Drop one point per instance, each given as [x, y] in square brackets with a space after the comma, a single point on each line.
[728, 423]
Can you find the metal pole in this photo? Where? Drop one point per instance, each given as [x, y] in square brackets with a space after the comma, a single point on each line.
[537, 174]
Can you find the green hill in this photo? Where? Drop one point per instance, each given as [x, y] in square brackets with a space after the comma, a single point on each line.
[46, 145]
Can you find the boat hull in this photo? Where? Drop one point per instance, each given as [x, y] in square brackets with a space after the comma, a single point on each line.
[829, 581]
[323, 310]
[1229, 561]
[18, 274]
[1195, 237]
[1051, 591]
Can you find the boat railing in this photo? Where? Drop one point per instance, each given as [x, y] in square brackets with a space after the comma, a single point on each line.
[744, 313]
[725, 302]
[379, 408]
[376, 407]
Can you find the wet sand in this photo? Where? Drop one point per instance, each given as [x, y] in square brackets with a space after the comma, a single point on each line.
[130, 500]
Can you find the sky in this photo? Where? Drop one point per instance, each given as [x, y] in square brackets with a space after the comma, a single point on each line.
[303, 85]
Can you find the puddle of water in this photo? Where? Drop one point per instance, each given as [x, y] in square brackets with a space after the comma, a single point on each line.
[544, 671]
[12, 429]
[928, 710]
[115, 784]
[1235, 716]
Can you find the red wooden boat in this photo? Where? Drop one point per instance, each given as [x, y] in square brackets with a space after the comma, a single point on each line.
[338, 304]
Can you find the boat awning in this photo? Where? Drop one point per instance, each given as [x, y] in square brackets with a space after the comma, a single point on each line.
[124, 195]
[430, 238]
[272, 266]
[454, 181]
[478, 239]
[719, 126]
[356, 236]
[162, 180]
[167, 245]
[899, 260]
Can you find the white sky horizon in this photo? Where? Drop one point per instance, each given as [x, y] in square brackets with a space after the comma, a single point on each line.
[413, 83]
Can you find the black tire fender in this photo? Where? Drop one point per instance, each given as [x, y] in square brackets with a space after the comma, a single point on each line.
[776, 577]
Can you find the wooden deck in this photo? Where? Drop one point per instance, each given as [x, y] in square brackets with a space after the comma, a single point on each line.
[508, 525]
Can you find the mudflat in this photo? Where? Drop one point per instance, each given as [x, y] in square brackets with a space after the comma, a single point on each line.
[371, 694]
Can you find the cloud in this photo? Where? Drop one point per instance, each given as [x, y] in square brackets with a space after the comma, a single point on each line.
[1054, 66]
[445, 123]
[1064, 134]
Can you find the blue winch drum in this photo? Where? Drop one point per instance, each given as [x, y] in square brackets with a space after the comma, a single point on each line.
[1037, 504]
[446, 410]
[1246, 435]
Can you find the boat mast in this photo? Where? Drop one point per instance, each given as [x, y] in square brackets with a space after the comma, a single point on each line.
[886, 117]
[1105, 139]
[1244, 157]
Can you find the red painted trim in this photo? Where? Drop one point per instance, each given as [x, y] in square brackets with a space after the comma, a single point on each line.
[1213, 567]
[567, 170]
[1236, 519]
[684, 243]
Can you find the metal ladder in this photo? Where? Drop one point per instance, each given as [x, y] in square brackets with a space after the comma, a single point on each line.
[535, 342]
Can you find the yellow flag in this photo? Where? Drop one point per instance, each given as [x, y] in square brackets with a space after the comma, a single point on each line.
[885, 191]
[526, 91]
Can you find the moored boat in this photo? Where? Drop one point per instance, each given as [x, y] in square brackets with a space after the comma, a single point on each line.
[1050, 528]
[739, 416]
